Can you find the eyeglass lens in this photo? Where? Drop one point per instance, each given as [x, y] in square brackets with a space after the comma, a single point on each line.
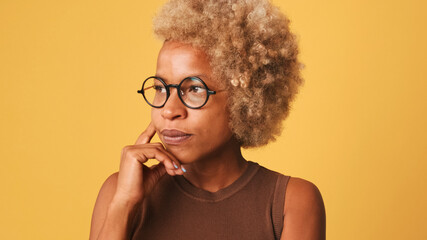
[192, 92]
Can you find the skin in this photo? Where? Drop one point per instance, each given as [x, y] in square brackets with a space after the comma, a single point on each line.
[211, 157]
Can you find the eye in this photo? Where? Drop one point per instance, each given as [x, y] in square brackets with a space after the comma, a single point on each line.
[159, 88]
[196, 89]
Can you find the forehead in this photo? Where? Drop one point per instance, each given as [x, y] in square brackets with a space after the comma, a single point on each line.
[177, 61]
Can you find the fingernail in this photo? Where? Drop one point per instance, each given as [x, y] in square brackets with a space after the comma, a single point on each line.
[183, 169]
[174, 164]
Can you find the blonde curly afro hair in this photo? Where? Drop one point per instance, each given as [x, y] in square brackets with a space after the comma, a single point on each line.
[251, 48]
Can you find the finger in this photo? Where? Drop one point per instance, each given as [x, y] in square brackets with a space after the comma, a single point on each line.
[147, 135]
[171, 172]
[178, 169]
[143, 152]
[154, 151]
[171, 160]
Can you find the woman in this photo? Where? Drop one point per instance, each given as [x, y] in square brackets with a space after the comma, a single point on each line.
[225, 77]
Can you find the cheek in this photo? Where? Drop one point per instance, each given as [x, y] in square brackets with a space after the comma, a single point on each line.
[217, 125]
[155, 117]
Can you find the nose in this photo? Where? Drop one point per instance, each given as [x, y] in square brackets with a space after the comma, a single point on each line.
[174, 108]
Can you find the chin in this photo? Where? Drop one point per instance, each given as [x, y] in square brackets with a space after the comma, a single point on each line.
[183, 155]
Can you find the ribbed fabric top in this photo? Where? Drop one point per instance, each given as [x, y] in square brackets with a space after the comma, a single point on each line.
[202, 195]
[249, 208]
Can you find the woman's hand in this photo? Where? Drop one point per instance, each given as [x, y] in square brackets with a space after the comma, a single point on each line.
[114, 209]
[135, 180]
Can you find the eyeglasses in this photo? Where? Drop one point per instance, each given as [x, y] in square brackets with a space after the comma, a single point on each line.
[193, 92]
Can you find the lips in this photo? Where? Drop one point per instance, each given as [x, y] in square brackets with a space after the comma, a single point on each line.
[174, 137]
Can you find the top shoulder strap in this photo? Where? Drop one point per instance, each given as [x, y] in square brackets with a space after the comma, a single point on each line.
[278, 204]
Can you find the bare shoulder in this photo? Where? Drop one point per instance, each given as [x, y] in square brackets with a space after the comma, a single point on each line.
[301, 193]
[304, 211]
[105, 195]
[109, 185]
[107, 190]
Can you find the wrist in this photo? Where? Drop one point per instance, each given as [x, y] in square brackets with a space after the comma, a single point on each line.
[119, 202]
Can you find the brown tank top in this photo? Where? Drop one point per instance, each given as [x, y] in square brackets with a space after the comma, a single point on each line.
[250, 208]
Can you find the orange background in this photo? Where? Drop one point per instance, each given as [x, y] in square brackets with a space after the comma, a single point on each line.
[69, 71]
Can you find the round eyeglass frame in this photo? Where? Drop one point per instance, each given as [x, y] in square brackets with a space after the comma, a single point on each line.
[178, 88]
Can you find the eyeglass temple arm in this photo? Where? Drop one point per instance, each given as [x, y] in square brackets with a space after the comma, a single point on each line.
[140, 91]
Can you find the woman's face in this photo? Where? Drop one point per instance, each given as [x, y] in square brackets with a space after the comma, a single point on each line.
[190, 134]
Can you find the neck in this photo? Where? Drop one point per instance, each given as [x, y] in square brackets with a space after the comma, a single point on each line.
[218, 170]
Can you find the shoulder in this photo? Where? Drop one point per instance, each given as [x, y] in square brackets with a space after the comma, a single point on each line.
[107, 191]
[301, 193]
[303, 210]
[105, 195]
[111, 182]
